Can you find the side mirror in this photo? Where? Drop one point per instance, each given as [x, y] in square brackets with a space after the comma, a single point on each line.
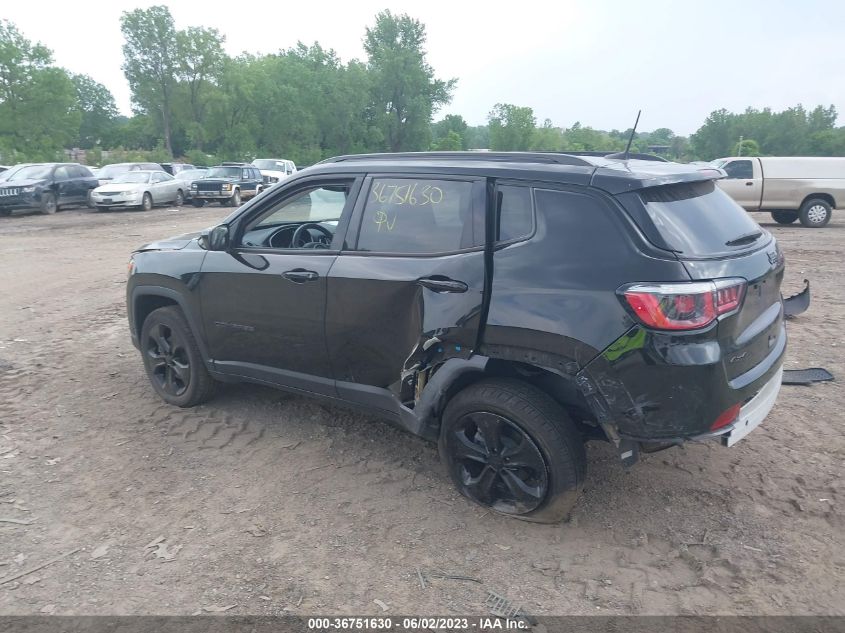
[215, 238]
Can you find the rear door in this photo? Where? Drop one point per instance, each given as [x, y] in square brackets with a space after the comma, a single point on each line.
[744, 182]
[406, 290]
[65, 190]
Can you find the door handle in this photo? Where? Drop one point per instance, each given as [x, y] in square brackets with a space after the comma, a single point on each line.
[748, 184]
[300, 275]
[442, 284]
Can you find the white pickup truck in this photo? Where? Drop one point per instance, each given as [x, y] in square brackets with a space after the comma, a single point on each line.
[791, 188]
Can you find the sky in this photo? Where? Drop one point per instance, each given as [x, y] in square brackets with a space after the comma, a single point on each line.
[596, 62]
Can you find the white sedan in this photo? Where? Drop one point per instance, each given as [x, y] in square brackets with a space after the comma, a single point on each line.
[140, 190]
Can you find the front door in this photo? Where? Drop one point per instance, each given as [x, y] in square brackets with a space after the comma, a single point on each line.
[741, 185]
[407, 291]
[264, 300]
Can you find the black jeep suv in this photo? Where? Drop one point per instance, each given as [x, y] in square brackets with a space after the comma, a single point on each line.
[227, 184]
[46, 187]
[509, 306]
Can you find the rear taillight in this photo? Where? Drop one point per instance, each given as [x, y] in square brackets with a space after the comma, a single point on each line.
[683, 306]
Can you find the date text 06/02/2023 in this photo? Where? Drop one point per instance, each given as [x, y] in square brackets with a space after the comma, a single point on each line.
[416, 623]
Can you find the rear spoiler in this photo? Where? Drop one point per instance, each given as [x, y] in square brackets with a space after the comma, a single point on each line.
[616, 181]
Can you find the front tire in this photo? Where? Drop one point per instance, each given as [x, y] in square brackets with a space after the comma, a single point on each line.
[48, 203]
[235, 200]
[146, 202]
[815, 213]
[172, 359]
[180, 199]
[784, 217]
[510, 448]
[198, 203]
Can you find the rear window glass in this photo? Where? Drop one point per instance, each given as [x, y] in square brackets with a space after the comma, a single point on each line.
[699, 219]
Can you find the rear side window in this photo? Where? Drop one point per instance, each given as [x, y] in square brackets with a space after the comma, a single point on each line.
[419, 216]
[699, 219]
[515, 212]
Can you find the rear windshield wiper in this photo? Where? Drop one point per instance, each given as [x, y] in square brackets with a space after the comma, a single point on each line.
[744, 239]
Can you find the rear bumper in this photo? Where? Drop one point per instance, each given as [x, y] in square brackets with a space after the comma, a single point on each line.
[669, 391]
[753, 412]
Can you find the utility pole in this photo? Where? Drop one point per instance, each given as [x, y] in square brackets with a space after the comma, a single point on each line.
[739, 153]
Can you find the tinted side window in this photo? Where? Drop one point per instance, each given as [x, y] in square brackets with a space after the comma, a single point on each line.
[581, 226]
[515, 212]
[739, 169]
[61, 173]
[419, 215]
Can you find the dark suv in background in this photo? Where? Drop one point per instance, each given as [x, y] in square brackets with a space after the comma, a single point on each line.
[509, 306]
[227, 184]
[46, 187]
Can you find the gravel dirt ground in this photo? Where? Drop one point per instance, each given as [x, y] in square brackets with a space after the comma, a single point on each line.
[265, 503]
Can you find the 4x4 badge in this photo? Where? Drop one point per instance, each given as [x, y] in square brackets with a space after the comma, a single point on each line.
[773, 257]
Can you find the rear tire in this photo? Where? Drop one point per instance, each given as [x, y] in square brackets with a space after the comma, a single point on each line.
[512, 449]
[173, 360]
[784, 217]
[815, 213]
[48, 203]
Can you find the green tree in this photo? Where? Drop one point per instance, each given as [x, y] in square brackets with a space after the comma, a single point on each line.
[404, 91]
[201, 60]
[450, 123]
[98, 109]
[150, 58]
[511, 127]
[38, 113]
[452, 142]
[746, 147]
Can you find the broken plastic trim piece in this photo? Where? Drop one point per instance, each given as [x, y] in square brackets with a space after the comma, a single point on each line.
[805, 376]
[797, 303]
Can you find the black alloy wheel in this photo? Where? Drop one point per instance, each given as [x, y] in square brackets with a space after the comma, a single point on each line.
[170, 365]
[499, 465]
[173, 360]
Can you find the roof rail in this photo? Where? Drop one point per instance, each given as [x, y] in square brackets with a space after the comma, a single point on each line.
[615, 154]
[509, 157]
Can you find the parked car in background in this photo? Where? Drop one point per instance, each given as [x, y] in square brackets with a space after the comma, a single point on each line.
[174, 168]
[791, 188]
[4, 168]
[189, 176]
[509, 306]
[141, 190]
[46, 187]
[109, 172]
[227, 184]
[274, 169]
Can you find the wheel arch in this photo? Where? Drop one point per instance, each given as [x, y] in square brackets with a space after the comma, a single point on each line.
[455, 375]
[822, 196]
[146, 299]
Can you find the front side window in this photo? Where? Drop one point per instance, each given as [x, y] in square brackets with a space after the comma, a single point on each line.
[418, 216]
[739, 169]
[62, 173]
[321, 204]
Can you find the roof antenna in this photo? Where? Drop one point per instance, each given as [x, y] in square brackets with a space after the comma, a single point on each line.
[624, 155]
[631, 138]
